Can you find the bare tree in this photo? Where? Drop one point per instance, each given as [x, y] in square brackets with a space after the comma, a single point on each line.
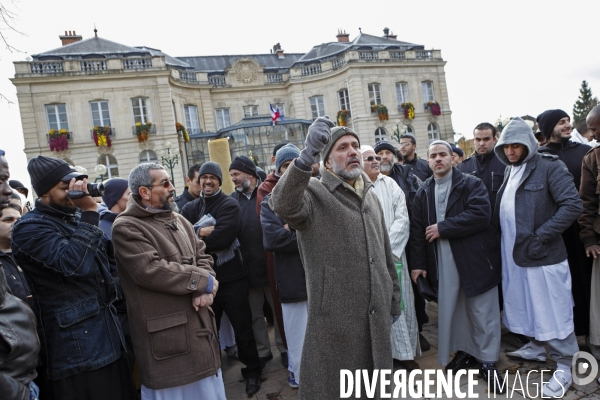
[7, 23]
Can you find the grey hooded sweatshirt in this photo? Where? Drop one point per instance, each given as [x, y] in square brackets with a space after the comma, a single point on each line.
[546, 201]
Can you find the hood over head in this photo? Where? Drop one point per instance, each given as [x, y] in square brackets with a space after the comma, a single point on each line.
[517, 131]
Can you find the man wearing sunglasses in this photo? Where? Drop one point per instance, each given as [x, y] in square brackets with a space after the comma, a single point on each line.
[168, 280]
[408, 148]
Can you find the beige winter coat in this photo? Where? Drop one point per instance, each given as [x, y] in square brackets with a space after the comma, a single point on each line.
[351, 278]
[162, 265]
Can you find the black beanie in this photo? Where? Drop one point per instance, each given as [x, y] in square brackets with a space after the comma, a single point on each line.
[211, 167]
[548, 120]
[113, 191]
[384, 145]
[45, 172]
[244, 164]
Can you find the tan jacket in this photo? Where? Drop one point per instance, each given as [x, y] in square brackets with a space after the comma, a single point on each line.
[589, 191]
[162, 266]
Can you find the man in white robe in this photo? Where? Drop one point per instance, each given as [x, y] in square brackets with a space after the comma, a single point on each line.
[537, 202]
[405, 331]
[454, 248]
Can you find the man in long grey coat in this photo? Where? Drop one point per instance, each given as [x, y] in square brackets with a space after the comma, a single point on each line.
[353, 291]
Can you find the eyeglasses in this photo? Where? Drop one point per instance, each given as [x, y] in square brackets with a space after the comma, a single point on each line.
[404, 144]
[166, 184]
[371, 158]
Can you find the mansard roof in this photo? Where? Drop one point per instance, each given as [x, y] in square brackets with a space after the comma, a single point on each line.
[220, 63]
[103, 48]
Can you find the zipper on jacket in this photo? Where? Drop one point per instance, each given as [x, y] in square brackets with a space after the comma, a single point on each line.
[486, 257]
[437, 267]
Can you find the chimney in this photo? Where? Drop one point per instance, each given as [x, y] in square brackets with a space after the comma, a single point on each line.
[386, 31]
[392, 36]
[69, 37]
[342, 36]
[277, 49]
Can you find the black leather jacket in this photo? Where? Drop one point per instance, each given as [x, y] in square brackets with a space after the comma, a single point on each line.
[19, 345]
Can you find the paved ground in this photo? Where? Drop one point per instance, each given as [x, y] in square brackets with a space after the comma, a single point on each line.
[275, 387]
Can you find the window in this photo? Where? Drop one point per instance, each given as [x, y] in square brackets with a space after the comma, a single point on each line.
[434, 132]
[250, 111]
[141, 110]
[147, 156]
[223, 118]
[402, 92]
[192, 123]
[100, 114]
[317, 108]
[281, 107]
[375, 93]
[344, 100]
[110, 162]
[427, 88]
[380, 134]
[410, 130]
[57, 116]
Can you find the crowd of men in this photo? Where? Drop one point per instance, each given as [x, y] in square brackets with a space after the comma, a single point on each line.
[341, 245]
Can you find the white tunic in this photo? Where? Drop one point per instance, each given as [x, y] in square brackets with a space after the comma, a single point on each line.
[405, 331]
[537, 300]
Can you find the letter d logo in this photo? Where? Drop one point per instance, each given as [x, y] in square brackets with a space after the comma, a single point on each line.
[584, 372]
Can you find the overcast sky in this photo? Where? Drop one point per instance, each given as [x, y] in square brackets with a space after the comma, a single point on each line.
[504, 58]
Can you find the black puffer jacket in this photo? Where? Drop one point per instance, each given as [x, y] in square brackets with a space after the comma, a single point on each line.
[226, 211]
[289, 271]
[19, 347]
[475, 247]
[419, 167]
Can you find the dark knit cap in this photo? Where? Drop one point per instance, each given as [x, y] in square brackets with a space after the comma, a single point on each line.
[244, 164]
[384, 145]
[262, 175]
[336, 133]
[457, 150]
[286, 153]
[45, 172]
[18, 185]
[113, 191]
[548, 120]
[211, 167]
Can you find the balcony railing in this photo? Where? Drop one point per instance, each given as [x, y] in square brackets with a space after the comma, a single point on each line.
[397, 55]
[368, 55]
[137, 63]
[339, 62]
[189, 76]
[274, 78]
[151, 130]
[93, 65]
[217, 80]
[111, 134]
[51, 67]
[311, 69]
[69, 137]
[424, 55]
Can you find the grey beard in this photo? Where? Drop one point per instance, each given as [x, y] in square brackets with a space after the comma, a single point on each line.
[245, 186]
[171, 206]
[385, 168]
[343, 173]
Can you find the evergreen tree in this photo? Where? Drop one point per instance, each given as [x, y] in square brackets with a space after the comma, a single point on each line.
[585, 102]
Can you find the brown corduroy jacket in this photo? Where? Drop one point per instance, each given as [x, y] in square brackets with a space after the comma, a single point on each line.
[162, 266]
[589, 191]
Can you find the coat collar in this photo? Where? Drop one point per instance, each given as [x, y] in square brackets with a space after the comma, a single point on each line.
[331, 181]
[457, 180]
[43, 208]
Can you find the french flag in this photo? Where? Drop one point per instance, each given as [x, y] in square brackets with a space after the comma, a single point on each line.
[275, 115]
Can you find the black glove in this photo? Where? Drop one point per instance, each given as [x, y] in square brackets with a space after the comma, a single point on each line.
[319, 135]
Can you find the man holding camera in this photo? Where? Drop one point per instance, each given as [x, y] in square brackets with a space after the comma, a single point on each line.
[63, 253]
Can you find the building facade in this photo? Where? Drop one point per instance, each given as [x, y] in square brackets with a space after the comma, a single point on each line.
[77, 98]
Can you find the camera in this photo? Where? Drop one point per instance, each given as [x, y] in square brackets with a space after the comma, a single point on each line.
[94, 190]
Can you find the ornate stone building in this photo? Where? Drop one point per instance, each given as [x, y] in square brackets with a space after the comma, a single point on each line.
[140, 94]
